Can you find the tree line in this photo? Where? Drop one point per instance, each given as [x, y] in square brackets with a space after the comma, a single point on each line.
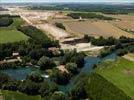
[121, 46]
[89, 15]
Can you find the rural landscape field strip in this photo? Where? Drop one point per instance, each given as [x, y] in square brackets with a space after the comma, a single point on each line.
[95, 28]
[10, 95]
[11, 34]
[120, 73]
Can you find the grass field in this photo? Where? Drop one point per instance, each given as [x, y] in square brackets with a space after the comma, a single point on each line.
[132, 14]
[11, 34]
[120, 73]
[10, 95]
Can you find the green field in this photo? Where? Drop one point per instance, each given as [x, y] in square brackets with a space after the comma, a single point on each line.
[131, 14]
[120, 73]
[10, 95]
[11, 34]
[16, 23]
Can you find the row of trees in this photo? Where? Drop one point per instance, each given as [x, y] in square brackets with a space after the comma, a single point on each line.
[101, 41]
[121, 46]
[89, 15]
[38, 36]
[5, 21]
[104, 8]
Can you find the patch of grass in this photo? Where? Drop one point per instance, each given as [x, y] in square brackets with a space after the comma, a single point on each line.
[8, 35]
[10, 95]
[120, 73]
[17, 21]
[11, 34]
[132, 14]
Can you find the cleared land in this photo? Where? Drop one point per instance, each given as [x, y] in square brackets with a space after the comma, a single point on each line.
[129, 25]
[10, 95]
[95, 28]
[11, 34]
[129, 56]
[120, 73]
[125, 22]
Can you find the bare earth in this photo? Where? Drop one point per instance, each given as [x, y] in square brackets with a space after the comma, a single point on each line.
[125, 22]
[95, 28]
[40, 20]
[129, 56]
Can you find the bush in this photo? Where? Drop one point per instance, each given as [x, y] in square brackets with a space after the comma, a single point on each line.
[60, 25]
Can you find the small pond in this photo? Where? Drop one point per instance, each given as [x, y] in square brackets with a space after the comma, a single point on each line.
[19, 73]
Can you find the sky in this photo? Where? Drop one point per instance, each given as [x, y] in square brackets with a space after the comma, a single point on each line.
[11, 1]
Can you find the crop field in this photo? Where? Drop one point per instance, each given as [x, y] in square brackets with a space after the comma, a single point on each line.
[129, 25]
[95, 28]
[122, 17]
[11, 34]
[120, 73]
[10, 95]
[125, 22]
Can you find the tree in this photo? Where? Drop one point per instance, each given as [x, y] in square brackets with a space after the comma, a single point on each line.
[48, 88]
[60, 77]
[29, 87]
[121, 52]
[79, 60]
[46, 63]
[44, 89]
[72, 68]
[4, 78]
[35, 77]
[5, 21]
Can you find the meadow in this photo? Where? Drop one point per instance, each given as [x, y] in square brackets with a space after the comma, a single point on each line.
[120, 73]
[11, 34]
[8, 36]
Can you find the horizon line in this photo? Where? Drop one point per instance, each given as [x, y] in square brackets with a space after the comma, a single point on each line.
[71, 2]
